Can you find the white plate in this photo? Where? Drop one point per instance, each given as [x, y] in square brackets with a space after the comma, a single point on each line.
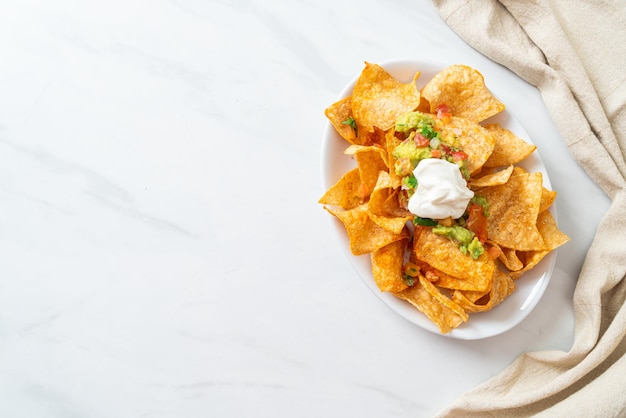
[530, 287]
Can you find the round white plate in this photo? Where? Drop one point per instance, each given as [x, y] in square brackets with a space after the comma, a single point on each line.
[530, 286]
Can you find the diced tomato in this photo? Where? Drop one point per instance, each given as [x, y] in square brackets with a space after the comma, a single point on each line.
[443, 112]
[477, 222]
[458, 155]
[494, 252]
[435, 153]
[421, 140]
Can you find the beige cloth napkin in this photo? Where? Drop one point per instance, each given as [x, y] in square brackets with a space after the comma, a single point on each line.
[574, 52]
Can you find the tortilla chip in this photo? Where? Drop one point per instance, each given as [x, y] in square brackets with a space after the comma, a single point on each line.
[441, 298]
[346, 193]
[547, 199]
[365, 235]
[391, 143]
[380, 195]
[503, 286]
[509, 148]
[510, 259]
[552, 238]
[393, 224]
[473, 139]
[463, 89]
[338, 114]
[378, 99]
[441, 279]
[443, 316]
[370, 160]
[387, 267]
[493, 179]
[513, 211]
[444, 255]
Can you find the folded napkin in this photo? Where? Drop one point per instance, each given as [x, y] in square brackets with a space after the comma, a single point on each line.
[575, 54]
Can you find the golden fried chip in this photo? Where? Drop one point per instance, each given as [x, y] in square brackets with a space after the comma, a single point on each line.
[444, 317]
[378, 151]
[384, 199]
[473, 139]
[547, 199]
[387, 266]
[378, 99]
[510, 259]
[383, 211]
[346, 193]
[393, 224]
[446, 281]
[370, 160]
[509, 149]
[513, 211]
[364, 235]
[444, 255]
[492, 179]
[441, 298]
[382, 191]
[391, 143]
[395, 204]
[339, 115]
[503, 286]
[552, 238]
[463, 89]
[424, 105]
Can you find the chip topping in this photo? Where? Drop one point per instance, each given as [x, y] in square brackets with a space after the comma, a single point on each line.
[441, 190]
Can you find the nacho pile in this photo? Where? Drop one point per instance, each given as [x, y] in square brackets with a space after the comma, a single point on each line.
[446, 268]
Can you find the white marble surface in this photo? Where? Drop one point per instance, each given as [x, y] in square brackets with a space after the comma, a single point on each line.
[163, 254]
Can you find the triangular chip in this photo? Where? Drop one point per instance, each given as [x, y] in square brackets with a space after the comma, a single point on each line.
[370, 160]
[472, 138]
[547, 199]
[391, 143]
[346, 193]
[552, 238]
[503, 286]
[509, 149]
[441, 279]
[443, 316]
[510, 259]
[513, 211]
[492, 179]
[378, 99]
[444, 255]
[364, 235]
[387, 267]
[463, 89]
[340, 116]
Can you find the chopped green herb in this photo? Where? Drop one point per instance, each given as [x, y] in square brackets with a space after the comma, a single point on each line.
[410, 181]
[429, 132]
[424, 221]
[409, 280]
[350, 121]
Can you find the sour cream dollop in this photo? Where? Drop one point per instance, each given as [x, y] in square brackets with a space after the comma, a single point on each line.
[441, 190]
